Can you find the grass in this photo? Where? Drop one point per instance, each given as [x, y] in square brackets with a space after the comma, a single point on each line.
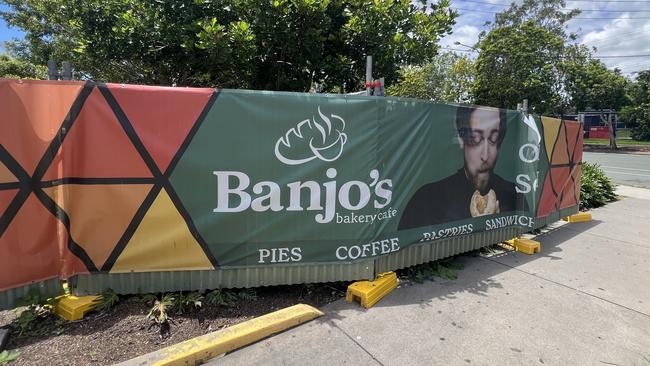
[622, 142]
[625, 134]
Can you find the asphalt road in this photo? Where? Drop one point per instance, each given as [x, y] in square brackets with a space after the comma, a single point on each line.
[626, 169]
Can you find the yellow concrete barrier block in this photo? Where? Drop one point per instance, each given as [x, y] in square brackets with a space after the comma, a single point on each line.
[508, 244]
[527, 246]
[579, 217]
[368, 293]
[71, 307]
[200, 349]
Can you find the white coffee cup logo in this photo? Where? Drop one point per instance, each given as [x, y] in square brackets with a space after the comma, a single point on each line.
[325, 139]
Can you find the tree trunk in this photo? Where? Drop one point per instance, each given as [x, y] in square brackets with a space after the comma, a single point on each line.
[612, 133]
[612, 137]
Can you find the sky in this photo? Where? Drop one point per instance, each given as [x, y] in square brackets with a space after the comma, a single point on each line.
[622, 29]
[6, 33]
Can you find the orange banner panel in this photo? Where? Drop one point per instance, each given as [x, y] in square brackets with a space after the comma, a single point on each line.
[32, 113]
[29, 248]
[107, 150]
[162, 117]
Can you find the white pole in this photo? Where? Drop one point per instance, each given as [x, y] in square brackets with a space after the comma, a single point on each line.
[368, 73]
[524, 106]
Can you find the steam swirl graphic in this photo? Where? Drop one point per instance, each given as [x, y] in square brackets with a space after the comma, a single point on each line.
[317, 138]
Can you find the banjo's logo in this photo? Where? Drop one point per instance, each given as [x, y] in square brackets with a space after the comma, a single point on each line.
[316, 138]
[334, 200]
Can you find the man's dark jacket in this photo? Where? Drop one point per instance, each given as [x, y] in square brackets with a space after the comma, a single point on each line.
[448, 200]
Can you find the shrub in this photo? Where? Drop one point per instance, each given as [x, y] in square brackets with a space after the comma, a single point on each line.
[145, 299]
[19, 69]
[159, 315]
[596, 188]
[247, 294]
[8, 356]
[36, 318]
[445, 269]
[641, 132]
[182, 303]
[106, 301]
[638, 118]
[222, 297]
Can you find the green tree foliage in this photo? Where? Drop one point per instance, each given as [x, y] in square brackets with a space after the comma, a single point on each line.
[638, 118]
[447, 78]
[260, 44]
[637, 114]
[519, 62]
[641, 129]
[590, 84]
[548, 14]
[529, 54]
[639, 90]
[521, 57]
[18, 69]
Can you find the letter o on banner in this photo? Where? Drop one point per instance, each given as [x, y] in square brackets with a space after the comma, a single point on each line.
[522, 153]
[364, 195]
[355, 248]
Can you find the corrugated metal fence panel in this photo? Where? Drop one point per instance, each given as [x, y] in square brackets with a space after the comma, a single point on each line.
[151, 282]
[47, 288]
[418, 254]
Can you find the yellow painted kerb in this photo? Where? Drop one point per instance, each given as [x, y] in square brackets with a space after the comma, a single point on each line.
[197, 350]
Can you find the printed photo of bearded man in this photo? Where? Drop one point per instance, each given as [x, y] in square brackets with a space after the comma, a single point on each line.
[474, 190]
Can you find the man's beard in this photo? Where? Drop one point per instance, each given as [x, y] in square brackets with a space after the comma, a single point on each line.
[481, 180]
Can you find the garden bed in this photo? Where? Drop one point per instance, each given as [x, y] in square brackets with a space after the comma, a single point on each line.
[124, 331]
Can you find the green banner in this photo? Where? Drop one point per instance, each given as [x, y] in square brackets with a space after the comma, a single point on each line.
[274, 178]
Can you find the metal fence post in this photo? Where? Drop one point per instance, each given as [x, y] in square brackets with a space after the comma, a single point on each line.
[368, 74]
[66, 74]
[52, 72]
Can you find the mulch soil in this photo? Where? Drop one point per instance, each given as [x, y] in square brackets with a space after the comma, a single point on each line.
[124, 331]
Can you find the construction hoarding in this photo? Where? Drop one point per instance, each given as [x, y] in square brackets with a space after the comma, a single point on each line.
[111, 182]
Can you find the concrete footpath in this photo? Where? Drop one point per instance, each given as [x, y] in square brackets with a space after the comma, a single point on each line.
[585, 300]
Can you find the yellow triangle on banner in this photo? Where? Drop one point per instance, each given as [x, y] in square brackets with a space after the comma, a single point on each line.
[5, 175]
[99, 213]
[551, 129]
[162, 242]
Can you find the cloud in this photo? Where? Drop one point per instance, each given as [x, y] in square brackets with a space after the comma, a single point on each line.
[622, 36]
[465, 34]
